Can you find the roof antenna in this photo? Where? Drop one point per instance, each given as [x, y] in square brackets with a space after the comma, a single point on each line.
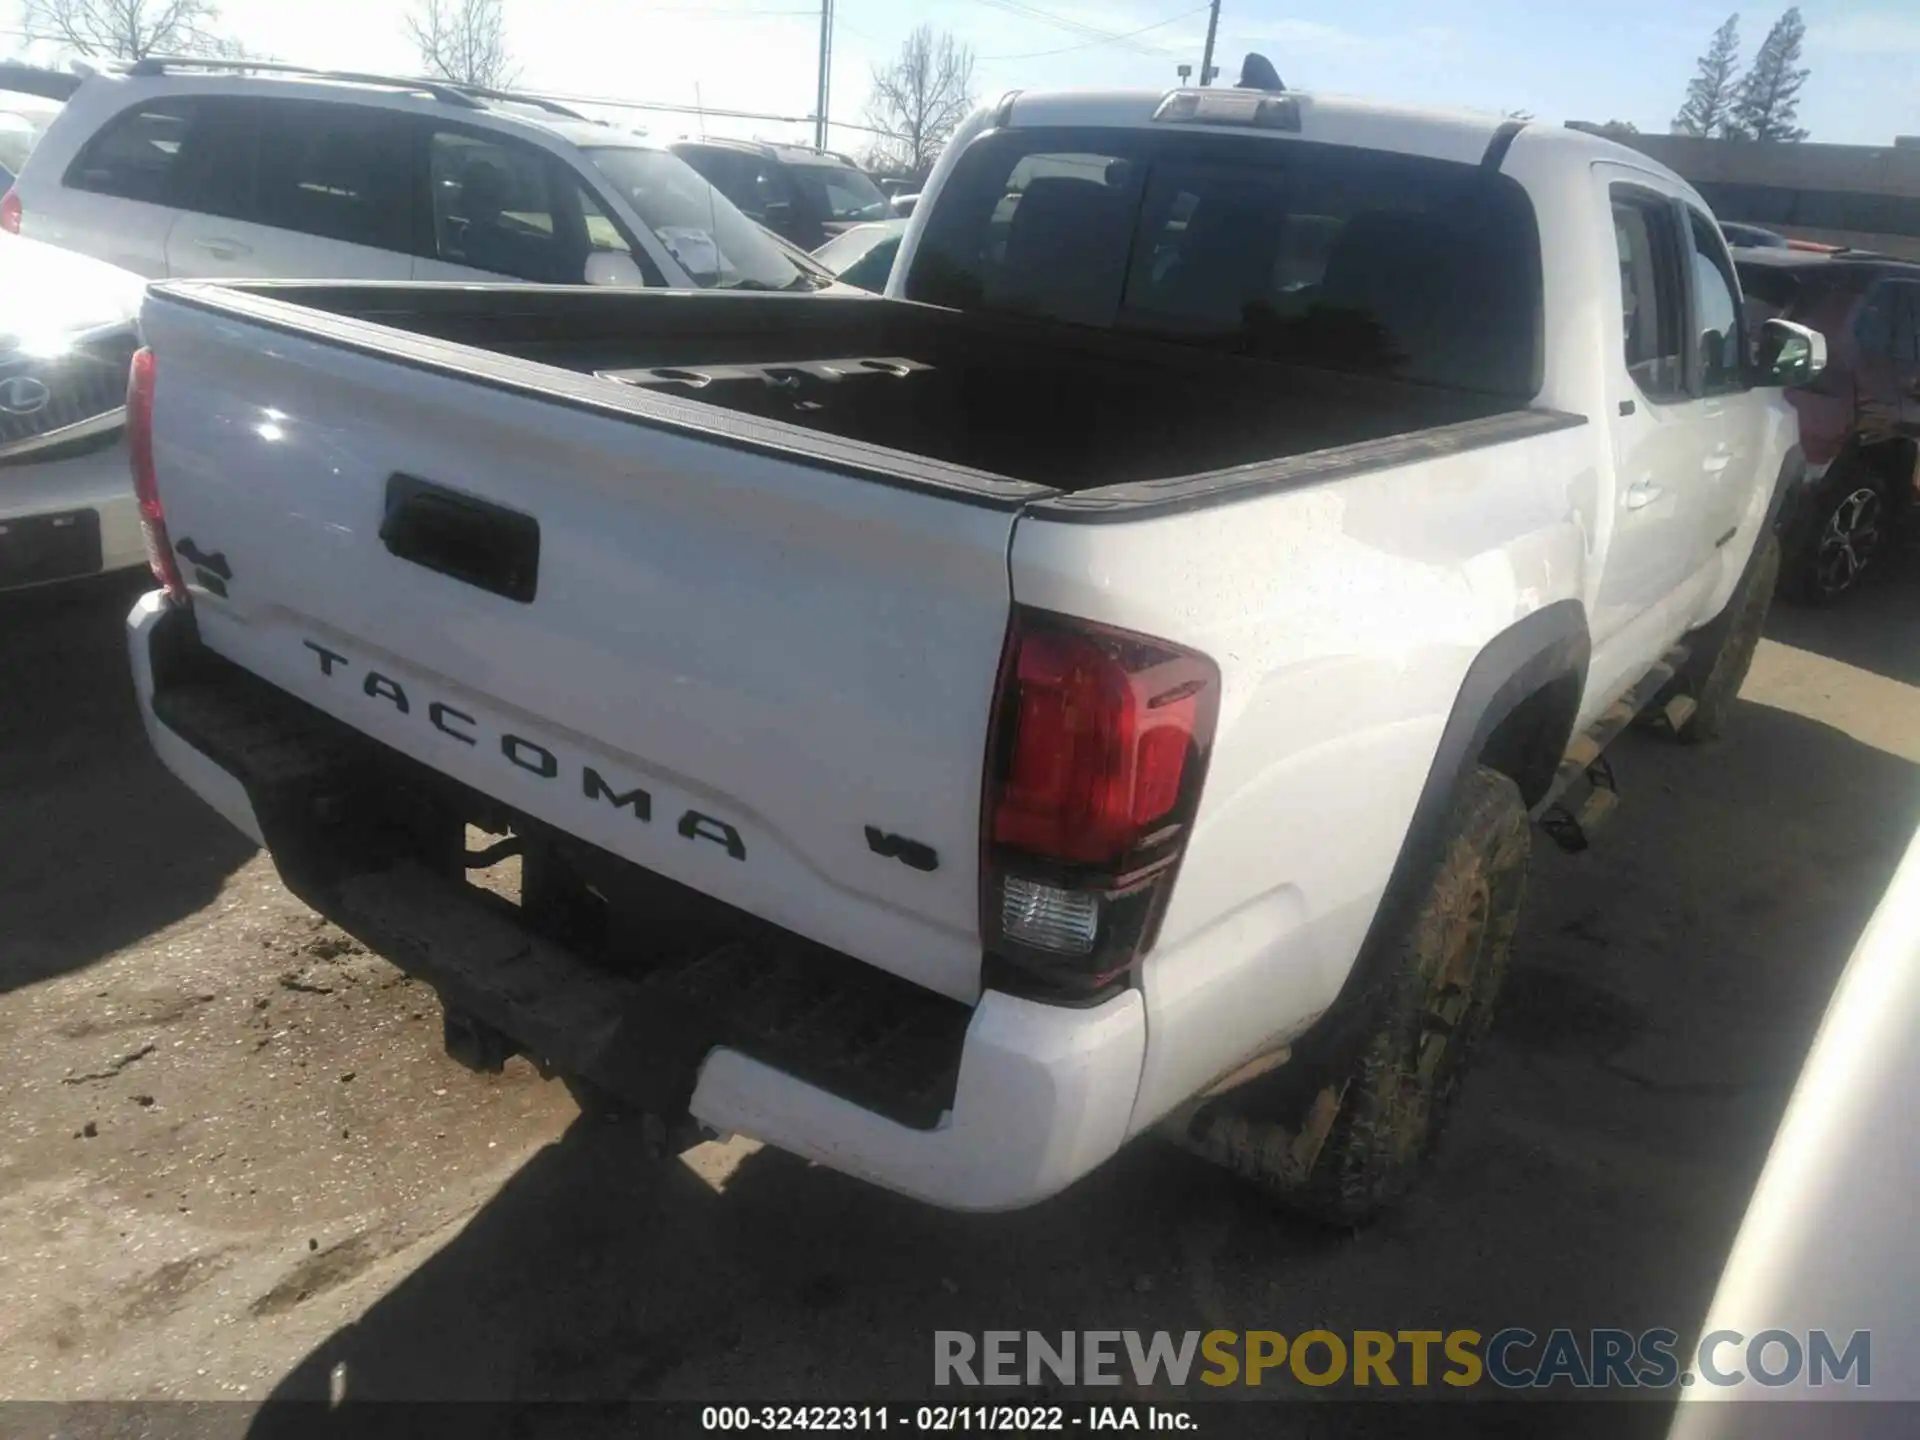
[1257, 73]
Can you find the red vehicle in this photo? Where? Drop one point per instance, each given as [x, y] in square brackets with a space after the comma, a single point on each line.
[1860, 420]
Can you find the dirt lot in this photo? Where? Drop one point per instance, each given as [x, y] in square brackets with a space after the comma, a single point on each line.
[234, 1163]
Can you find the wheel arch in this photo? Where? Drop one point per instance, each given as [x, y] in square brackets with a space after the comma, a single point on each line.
[1514, 711]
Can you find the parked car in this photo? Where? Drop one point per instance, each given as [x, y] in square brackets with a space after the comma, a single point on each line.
[1860, 421]
[947, 740]
[214, 169]
[67, 333]
[863, 256]
[806, 195]
[24, 117]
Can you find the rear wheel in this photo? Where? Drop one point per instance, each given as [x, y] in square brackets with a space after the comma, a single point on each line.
[1356, 1145]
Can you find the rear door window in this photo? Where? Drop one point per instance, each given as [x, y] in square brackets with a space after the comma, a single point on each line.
[750, 181]
[1335, 257]
[839, 194]
[1652, 300]
[335, 171]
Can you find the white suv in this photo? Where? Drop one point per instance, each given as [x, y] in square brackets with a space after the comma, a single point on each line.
[233, 170]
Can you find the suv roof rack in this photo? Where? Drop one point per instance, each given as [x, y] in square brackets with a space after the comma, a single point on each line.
[518, 97]
[451, 92]
[440, 90]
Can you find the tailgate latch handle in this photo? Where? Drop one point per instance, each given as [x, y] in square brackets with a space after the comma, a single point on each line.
[463, 537]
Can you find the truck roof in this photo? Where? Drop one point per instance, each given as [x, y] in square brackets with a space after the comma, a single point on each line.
[1466, 136]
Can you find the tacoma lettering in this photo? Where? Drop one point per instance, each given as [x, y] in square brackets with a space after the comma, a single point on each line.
[537, 760]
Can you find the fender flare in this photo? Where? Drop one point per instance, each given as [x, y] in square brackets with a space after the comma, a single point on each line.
[1553, 643]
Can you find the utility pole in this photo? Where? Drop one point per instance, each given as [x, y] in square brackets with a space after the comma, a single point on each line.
[1207, 72]
[826, 70]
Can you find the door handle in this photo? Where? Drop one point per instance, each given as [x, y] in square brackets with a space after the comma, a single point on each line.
[223, 248]
[1641, 495]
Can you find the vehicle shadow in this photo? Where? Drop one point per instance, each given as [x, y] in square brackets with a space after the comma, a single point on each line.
[1666, 986]
[1876, 629]
[99, 845]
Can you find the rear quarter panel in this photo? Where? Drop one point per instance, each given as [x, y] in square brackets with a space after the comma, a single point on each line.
[1343, 619]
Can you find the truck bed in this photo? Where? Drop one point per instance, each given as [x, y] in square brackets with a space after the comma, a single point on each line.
[1044, 404]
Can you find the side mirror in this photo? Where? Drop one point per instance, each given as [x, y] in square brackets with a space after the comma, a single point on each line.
[613, 267]
[1790, 354]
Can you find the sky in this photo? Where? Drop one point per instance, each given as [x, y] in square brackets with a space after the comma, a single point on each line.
[1557, 59]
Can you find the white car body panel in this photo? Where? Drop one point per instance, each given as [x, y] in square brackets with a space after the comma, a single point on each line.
[1828, 1239]
[213, 247]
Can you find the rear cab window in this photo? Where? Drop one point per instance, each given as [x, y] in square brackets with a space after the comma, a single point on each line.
[1327, 256]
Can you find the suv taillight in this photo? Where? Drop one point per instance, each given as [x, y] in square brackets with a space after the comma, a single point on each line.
[146, 485]
[10, 212]
[1097, 752]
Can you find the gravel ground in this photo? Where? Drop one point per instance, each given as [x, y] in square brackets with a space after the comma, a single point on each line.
[234, 1162]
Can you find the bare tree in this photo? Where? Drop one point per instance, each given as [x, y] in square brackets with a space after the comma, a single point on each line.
[129, 29]
[1710, 94]
[920, 100]
[464, 41]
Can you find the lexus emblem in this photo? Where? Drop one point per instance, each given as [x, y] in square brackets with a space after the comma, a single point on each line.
[23, 395]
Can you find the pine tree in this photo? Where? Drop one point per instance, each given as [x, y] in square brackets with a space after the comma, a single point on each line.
[1769, 96]
[1711, 91]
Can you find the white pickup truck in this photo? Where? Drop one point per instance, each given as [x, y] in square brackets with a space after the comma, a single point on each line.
[1098, 688]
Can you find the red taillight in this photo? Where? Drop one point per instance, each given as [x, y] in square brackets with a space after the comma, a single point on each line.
[10, 212]
[146, 484]
[1100, 744]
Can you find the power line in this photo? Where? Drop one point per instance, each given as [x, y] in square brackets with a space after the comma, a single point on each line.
[1089, 44]
[1072, 27]
[656, 106]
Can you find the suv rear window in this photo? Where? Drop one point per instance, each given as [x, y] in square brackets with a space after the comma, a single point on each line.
[1329, 256]
[134, 154]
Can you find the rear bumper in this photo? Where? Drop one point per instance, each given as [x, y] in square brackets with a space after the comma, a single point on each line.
[52, 512]
[1040, 1096]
